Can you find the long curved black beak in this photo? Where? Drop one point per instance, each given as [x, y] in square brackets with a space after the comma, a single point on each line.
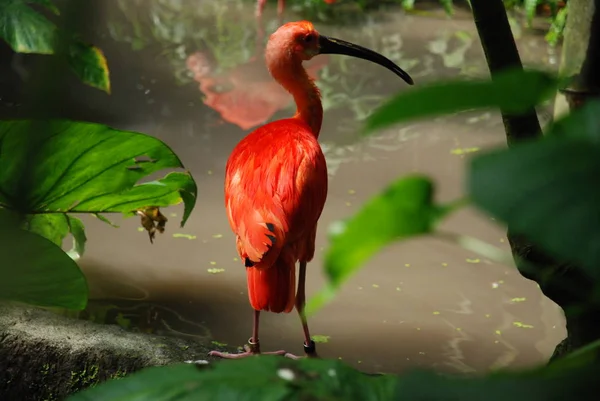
[337, 46]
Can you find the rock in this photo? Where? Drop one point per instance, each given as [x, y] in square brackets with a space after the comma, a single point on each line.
[46, 357]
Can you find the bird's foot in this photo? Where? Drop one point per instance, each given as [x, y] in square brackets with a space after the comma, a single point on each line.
[250, 349]
[310, 351]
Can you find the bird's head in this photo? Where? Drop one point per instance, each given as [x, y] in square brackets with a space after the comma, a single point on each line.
[299, 41]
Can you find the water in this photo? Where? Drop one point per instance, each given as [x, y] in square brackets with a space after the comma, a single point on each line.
[421, 303]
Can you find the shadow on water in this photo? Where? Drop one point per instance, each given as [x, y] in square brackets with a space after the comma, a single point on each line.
[419, 303]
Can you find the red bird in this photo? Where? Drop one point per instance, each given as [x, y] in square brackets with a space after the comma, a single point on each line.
[260, 5]
[276, 181]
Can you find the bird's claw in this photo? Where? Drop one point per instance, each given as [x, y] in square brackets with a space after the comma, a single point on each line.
[248, 351]
[310, 351]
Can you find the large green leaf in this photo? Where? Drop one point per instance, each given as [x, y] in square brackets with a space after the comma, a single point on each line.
[271, 378]
[548, 189]
[27, 31]
[514, 91]
[405, 209]
[265, 378]
[85, 168]
[36, 271]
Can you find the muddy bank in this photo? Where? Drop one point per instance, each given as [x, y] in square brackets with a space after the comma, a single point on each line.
[44, 356]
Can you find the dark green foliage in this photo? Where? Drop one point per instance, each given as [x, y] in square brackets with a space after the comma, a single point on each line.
[27, 31]
[36, 271]
[271, 378]
[545, 189]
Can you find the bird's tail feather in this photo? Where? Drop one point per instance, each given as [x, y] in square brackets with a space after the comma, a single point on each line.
[272, 289]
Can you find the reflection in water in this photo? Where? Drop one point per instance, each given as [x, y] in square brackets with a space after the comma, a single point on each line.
[246, 95]
[419, 303]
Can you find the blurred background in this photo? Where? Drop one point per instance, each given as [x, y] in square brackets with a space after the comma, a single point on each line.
[191, 72]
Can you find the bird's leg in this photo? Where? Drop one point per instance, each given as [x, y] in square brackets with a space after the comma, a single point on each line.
[310, 348]
[260, 4]
[280, 7]
[253, 346]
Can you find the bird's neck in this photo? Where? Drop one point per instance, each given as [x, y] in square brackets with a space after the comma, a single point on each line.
[306, 95]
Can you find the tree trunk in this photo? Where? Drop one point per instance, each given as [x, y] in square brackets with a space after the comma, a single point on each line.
[575, 44]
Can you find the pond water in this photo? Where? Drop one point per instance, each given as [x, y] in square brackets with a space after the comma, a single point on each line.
[420, 303]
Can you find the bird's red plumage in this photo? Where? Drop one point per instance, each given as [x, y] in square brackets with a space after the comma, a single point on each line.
[275, 191]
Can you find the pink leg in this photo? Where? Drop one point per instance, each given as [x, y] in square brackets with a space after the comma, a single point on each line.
[260, 5]
[309, 345]
[253, 346]
[280, 8]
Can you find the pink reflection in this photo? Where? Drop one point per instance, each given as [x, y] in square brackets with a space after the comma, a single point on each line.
[245, 95]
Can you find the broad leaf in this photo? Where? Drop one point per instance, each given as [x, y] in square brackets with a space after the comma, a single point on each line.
[584, 356]
[542, 384]
[54, 227]
[27, 31]
[270, 378]
[36, 271]
[265, 378]
[547, 190]
[514, 91]
[85, 168]
[405, 209]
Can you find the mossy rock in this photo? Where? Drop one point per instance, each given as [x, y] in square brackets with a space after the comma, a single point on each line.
[46, 357]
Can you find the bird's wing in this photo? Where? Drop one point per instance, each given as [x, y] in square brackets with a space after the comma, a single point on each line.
[275, 189]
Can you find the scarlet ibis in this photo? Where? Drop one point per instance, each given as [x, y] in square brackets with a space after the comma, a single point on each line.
[260, 5]
[276, 181]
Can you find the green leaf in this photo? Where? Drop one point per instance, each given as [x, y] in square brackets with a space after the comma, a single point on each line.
[89, 64]
[555, 33]
[88, 168]
[36, 271]
[587, 355]
[277, 379]
[27, 31]
[514, 91]
[405, 209]
[271, 379]
[408, 4]
[530, 7]
[542, 384]
[79, 238]
[46, 3]
[448, 6]
[54, 227]
[547, 189]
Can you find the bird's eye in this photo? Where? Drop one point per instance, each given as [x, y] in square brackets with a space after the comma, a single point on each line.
[309, 38]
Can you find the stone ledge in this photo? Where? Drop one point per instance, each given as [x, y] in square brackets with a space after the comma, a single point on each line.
[46, 357]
